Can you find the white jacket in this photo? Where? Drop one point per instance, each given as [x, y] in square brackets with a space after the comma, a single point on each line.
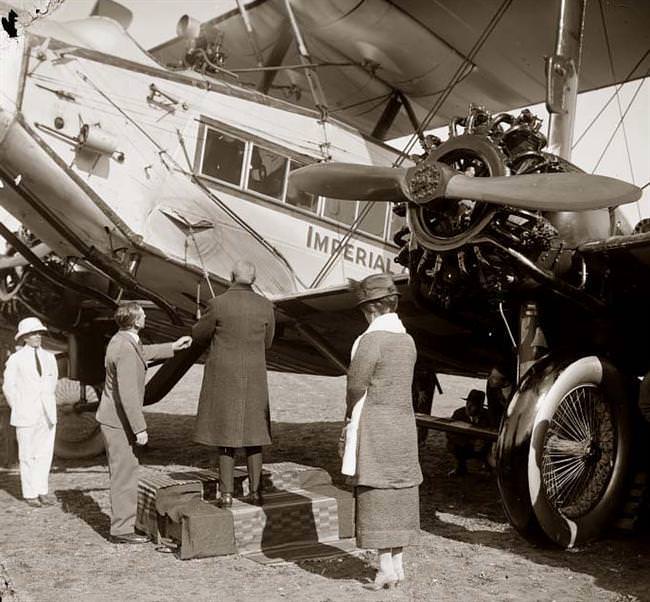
[28, 394]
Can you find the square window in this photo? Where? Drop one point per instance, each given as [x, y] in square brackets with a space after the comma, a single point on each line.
[374, 222]
[396, 224]
[341, 211]
[267, 172]
[222, 157]
[299, 198]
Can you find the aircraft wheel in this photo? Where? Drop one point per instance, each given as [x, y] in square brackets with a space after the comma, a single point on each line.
[77, 434]
[564, 450]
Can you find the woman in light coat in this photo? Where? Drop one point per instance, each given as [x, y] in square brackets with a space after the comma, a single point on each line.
[381, 451]
[29, 384]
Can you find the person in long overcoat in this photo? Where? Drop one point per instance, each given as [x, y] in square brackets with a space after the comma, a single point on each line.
[120, 414]
[379, 415]
[234, 401]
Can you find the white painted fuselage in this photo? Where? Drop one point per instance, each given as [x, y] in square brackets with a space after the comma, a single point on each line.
[187, 174]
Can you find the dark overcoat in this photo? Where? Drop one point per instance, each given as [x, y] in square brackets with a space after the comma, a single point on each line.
[234, 401]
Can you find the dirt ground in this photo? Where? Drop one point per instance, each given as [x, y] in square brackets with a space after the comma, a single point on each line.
[466, 549]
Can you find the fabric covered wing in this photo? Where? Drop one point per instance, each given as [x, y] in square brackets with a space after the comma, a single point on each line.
[315, 332]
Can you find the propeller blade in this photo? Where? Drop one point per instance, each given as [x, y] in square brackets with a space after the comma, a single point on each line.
[430, 180]
[545, 192]
[352, 182]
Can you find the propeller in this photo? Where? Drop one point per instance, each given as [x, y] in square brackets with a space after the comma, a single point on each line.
[431, 180]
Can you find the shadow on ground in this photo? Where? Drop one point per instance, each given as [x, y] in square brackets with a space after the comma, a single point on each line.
[79, 503]
[465, 510]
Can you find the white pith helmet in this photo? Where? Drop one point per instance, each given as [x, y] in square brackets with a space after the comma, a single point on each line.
[28, 326]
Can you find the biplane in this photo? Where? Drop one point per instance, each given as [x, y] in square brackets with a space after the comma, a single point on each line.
[260, 134]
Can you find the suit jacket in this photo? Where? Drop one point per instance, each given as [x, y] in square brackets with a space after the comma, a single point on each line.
[234, 401]
[126, 364]
[29, 394]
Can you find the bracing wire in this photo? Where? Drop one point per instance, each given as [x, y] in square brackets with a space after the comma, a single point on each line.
[618, 125]
[162, 151]
[618, 98]
[611, 98]
[354, 226]
[460, 74]
[455, 79]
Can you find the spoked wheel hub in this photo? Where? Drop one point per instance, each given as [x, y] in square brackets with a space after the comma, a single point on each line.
[564, 450]
[578, 452]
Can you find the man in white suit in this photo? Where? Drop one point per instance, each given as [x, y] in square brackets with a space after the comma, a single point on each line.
[30, 379]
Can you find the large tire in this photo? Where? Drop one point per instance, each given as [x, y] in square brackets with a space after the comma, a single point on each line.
[77, 434]
[564, 449]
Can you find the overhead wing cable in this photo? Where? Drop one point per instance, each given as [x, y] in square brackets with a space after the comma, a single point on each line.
[455, 79]
[458, 75]
[618, 98]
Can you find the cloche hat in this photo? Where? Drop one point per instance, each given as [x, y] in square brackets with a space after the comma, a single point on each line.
[28, 326]
[374, 287]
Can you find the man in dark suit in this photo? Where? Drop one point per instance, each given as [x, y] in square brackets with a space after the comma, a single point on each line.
[465, 447]
[120, 414]
[234, 403]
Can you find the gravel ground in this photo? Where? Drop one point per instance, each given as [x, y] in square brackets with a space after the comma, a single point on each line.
[466, 551]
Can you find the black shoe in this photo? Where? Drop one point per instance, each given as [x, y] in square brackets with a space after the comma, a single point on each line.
[255, 498]
[130, 538]
[225, 501]
[47, 500]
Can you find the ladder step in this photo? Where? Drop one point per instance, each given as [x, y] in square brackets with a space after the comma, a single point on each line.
[455, 426]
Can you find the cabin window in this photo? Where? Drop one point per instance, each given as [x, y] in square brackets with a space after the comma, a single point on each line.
[374, 222]
[223, 157]
[396, 224]
[341, 211]
[267, 172]
[299, 198]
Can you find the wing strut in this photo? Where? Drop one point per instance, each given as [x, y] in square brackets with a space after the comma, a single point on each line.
[250, 33]
[311, 75]
[562, 77]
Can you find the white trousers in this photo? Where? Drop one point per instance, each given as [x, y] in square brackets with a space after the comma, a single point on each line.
[35, 451]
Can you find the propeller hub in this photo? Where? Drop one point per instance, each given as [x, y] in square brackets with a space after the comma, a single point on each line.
[424, 182]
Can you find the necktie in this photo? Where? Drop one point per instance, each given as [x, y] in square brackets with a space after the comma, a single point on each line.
[39, 368]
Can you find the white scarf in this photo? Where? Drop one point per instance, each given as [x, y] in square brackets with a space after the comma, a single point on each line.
[387, 322]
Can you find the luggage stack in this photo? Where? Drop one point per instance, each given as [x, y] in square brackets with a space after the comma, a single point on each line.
[301, 510]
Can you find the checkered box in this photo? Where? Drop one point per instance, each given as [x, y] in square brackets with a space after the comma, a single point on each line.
[289, 476]
[286, 517]
[199, 483]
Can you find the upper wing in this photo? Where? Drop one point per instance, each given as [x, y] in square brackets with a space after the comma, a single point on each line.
[369, 50]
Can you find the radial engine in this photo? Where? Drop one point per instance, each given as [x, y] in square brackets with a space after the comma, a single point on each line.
[463, 252]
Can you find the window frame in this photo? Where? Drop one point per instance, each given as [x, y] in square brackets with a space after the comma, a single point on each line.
[249, 155]
[244, 169]
[387, 211]
[249, 140]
